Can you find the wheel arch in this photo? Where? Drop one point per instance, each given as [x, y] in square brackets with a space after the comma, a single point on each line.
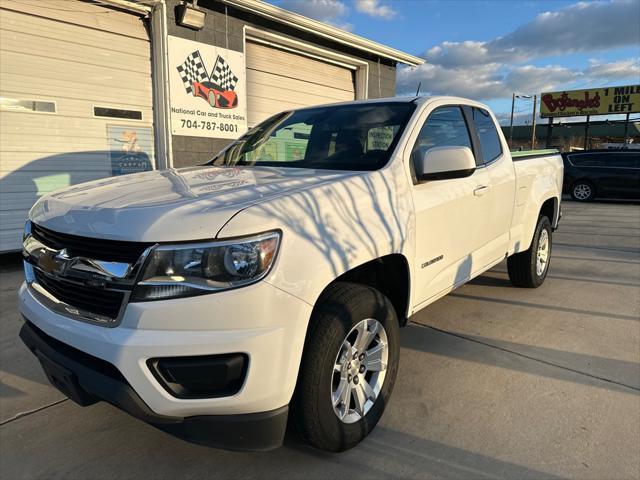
[551, 209]
[550, 206]
[389, 274]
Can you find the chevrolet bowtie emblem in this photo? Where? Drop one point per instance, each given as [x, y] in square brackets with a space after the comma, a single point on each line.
[63, 255]
[60, 262]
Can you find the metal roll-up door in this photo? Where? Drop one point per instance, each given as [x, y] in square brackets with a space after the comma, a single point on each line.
[279, 79]
[75, 101]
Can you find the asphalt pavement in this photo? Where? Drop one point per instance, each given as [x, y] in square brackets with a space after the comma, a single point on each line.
[494, 382]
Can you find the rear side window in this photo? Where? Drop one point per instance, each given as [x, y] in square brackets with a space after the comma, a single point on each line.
[623, 160]
[489, 139]
[445, 127]
[605, 159]
[585, 160]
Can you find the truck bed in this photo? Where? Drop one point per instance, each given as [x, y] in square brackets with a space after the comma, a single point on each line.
[527, 154]
[535, 170]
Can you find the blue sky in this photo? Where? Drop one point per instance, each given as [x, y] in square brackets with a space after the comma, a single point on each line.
[487, 49]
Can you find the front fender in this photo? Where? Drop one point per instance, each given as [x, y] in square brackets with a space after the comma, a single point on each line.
[330, 229]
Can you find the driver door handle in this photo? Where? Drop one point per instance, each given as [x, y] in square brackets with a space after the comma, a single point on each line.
[481, 190]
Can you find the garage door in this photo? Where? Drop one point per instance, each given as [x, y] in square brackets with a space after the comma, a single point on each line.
[279, 79]
[75, 101]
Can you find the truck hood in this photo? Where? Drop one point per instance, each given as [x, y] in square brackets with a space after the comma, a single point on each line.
[169, 205]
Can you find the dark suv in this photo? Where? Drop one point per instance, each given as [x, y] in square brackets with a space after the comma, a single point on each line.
[602, 173]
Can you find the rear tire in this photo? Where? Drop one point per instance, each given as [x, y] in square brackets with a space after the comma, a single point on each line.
[583, 191]
[529, 269]
[319, 411]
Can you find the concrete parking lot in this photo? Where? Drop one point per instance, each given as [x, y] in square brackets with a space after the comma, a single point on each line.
[494, 382]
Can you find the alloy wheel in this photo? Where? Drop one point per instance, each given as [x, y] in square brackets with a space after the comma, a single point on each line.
[542, 255]
[582, 191]
[359, 370]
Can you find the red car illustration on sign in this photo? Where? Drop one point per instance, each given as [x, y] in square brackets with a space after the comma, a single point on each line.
[217, 87]
[216, 97]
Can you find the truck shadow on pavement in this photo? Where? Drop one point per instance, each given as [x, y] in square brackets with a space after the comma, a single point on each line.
[388, 453]
[598, 372]
[578, 311]
[492, 281]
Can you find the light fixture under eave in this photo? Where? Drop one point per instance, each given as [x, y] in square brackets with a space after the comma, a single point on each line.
[191, 16]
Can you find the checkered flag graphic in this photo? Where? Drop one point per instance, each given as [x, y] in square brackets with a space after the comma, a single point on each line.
[192, 70]
[223, 76]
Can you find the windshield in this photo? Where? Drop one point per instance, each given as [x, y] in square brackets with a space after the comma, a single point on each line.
[341, 137]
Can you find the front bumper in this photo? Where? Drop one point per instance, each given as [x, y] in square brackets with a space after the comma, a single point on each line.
[86, 379]
[260, 321]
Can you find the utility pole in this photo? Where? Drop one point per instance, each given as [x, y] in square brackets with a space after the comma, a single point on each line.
[586, 134]
[533, 123]
[626, 129]
[549, 133]
[513, 103]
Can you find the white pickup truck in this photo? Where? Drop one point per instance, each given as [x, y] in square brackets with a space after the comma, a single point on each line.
[219, 301]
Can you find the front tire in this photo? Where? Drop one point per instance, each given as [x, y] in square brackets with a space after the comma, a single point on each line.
[583, 191]
[529, 269]
[348, 368]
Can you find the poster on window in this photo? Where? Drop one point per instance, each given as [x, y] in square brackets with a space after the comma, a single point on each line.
[207, 87]
[130, 149]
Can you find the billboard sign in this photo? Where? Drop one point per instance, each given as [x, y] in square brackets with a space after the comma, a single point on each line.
[207, 85]
[592, 101]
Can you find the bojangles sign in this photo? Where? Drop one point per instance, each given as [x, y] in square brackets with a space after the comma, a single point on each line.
[594, 101]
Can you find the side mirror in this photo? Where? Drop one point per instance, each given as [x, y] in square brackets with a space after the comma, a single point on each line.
[442, 163]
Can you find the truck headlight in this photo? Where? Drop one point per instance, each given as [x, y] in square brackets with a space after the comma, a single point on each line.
[183, 270]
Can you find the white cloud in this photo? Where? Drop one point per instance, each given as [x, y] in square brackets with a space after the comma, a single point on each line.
[496, 68]
[529, 79]
[581, 27]
[373, 8]
[620, 70]
[334, 11]
[328, 11]
[486, 81]
[483, 82]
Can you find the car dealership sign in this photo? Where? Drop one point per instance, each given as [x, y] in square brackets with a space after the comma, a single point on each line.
[207, 87]
[594, 101]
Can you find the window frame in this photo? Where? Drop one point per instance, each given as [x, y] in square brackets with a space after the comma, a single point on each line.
[111, 117]
[479, 155]
[28, 111]
[472, 138]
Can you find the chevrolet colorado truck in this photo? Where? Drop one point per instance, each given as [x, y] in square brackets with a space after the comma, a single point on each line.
[221, 301]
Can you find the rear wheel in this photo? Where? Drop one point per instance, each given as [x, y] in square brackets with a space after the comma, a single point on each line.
[348, 368]
[529, 269]
[583, 191]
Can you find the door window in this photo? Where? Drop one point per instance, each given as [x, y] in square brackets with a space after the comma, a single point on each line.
[623, 160]
[445, 127]
[490, 145]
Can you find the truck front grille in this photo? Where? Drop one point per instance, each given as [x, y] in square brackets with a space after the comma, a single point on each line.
[95, 296]
[99, 301]
[95, 248]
